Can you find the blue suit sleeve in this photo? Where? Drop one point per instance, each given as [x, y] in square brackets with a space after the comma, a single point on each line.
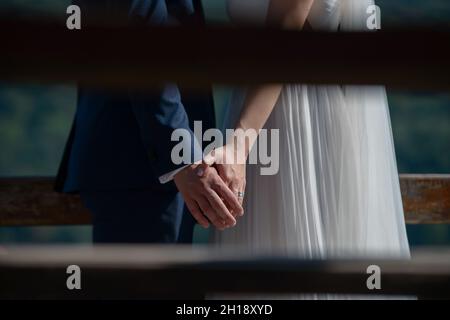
[158, 116]
[160, 113]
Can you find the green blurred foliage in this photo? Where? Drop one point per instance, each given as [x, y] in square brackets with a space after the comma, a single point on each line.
[34, 123]
[35, 119]
[410, 13]
[421, 125]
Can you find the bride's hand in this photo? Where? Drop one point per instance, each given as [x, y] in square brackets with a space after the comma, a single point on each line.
[230, 160]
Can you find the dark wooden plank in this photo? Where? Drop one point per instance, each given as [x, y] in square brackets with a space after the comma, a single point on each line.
[111, 56]
[426, 198]
[184, 272]
[32, 201]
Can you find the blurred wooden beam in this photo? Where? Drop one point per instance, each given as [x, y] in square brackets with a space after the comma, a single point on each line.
[32, 201]
[137, 57]
[140, 272]
[426, 198]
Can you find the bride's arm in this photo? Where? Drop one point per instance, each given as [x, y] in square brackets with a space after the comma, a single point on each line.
[288, 14]
[260, 100]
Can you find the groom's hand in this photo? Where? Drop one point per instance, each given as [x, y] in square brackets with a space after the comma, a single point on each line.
[205, 195]
[230, 162]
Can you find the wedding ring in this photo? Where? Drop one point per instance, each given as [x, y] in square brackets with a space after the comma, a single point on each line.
[240, 194]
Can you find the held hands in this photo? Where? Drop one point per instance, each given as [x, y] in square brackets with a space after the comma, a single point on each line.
[229, 161]
[214, 190]
[208, 197]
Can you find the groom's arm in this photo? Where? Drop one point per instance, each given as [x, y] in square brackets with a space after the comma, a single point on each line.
[158, 116]
[160, 112]
[204, 193]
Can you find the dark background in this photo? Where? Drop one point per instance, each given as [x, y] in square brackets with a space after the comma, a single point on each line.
[35, 119]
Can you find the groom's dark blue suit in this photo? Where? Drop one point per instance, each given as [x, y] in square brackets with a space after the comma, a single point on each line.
[120, 143]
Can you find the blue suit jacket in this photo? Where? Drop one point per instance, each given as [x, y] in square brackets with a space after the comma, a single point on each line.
[121, 139]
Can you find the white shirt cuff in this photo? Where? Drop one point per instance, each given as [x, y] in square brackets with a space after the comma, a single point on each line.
[169, 176]
[198, 158]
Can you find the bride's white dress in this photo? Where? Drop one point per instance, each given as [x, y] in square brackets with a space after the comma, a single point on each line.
[337, 192]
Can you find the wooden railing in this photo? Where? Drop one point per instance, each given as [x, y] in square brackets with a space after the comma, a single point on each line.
[32, 201]
[112, 56]
[142, 272]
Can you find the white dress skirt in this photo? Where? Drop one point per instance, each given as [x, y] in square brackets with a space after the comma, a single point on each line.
[337, 192]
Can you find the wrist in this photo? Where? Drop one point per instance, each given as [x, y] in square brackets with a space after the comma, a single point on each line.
[185, 171]
[243, 139]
